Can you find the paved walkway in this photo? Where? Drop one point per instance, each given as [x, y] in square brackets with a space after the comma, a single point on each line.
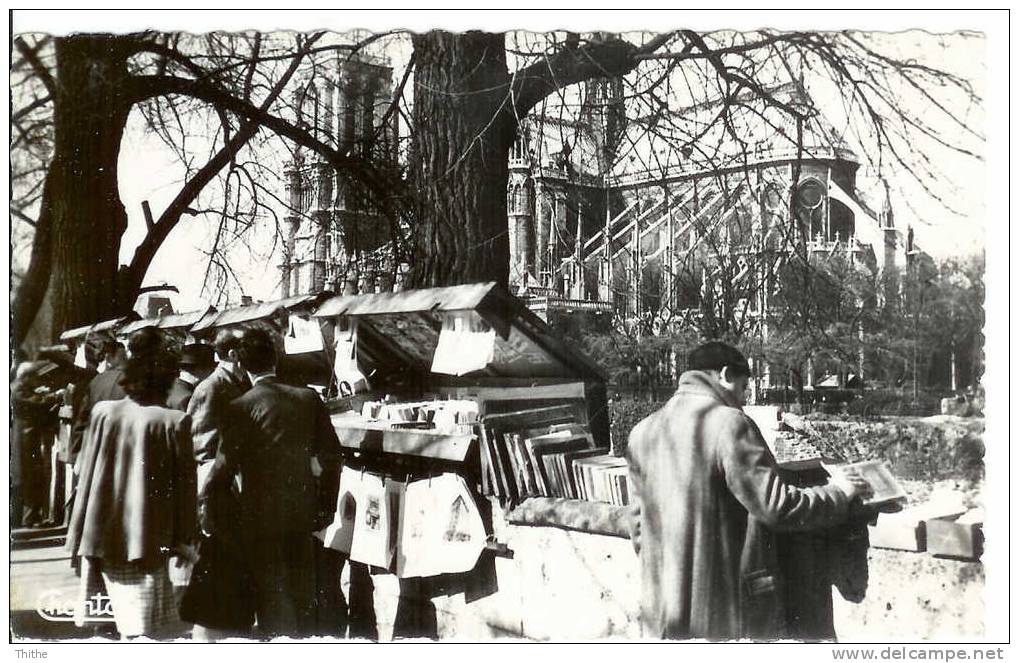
[41, 573]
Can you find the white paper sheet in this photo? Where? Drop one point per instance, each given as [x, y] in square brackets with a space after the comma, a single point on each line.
[466, 344]
[302, 336]
[441, 530]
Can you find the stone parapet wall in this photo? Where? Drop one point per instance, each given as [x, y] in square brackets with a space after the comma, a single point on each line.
[564, 585]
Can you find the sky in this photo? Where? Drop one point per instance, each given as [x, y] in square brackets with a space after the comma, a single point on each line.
[149, 171]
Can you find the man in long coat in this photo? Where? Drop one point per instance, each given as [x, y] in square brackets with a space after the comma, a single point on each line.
[710, 499]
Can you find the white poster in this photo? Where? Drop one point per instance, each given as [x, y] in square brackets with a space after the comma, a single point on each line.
[374, 540]
[340, 533]
[349, 378]
[441, 530]
[302, 336]
[466, 344]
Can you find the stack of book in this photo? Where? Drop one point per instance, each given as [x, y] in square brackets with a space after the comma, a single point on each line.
[603, 478]
[547, 452]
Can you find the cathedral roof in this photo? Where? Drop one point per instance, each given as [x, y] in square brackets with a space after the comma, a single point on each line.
[749, 129]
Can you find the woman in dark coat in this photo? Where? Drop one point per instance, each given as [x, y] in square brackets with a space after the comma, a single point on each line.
[136, 499]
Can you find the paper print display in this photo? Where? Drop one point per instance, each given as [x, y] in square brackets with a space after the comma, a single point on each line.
[374, 516]
[340, 533]
[466, 344]
[302, 336]
[441, 530]
[349, 378]
[80, 359]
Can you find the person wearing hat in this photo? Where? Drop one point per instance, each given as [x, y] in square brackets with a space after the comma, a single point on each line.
[708, 500]
[196, 363]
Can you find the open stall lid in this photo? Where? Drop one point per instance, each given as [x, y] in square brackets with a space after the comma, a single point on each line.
[76, 333]
[137, 325]
[170, 322]
[408, 324]
[253, 312]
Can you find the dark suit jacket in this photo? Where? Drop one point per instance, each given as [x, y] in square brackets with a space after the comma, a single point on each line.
[103, 387]
[180, 395]
[271, 434]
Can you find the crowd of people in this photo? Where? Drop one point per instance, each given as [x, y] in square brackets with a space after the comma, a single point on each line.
[200, 479]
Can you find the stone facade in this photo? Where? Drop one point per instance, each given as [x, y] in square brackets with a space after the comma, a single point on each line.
[333, 239]
[604, 216]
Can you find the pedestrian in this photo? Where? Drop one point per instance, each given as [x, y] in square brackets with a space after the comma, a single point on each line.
[35, 420]
[278, 441]
[211, 398]
[135, 507]
[196, 363]
[709, 500]
[103, 387]
[219, 600]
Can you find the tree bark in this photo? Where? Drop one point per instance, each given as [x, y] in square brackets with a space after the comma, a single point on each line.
[77, 243]
[466, 110]
[464, 128]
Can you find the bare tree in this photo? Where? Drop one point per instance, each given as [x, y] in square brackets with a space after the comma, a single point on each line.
[465, 96]
[73, 96]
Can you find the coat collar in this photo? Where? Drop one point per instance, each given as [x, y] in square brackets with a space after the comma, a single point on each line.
[703, 384]
[231, 378]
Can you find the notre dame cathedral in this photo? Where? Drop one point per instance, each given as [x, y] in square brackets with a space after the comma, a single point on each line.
[643, 222]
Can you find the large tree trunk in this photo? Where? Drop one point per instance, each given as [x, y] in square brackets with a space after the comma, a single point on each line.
[463, 130]
[73, 273]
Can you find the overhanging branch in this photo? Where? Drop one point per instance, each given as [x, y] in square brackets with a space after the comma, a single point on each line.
[574, 64]
[144, 87]
[31, 55]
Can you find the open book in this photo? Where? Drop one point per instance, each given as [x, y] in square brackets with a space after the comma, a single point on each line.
[884, 486]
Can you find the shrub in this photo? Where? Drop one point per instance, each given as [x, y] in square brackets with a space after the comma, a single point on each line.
[627, 412]
[914, 450]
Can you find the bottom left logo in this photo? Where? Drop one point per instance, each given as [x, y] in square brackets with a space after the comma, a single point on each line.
[56, 606]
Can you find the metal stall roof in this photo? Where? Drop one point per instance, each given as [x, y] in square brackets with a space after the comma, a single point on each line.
[173, 321]
[406, 326]
[183, 320]
[252, 312]
[109, 326]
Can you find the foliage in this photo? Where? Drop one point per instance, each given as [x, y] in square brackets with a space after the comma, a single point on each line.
[837, 316]
[626, 412]
[914, 449]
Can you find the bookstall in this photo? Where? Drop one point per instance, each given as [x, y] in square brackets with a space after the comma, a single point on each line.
[459, 413]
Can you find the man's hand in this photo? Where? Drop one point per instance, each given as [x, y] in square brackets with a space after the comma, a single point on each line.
[633, 525]
[852, 483]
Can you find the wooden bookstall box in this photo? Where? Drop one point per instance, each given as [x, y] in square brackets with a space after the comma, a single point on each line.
[402, 352]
